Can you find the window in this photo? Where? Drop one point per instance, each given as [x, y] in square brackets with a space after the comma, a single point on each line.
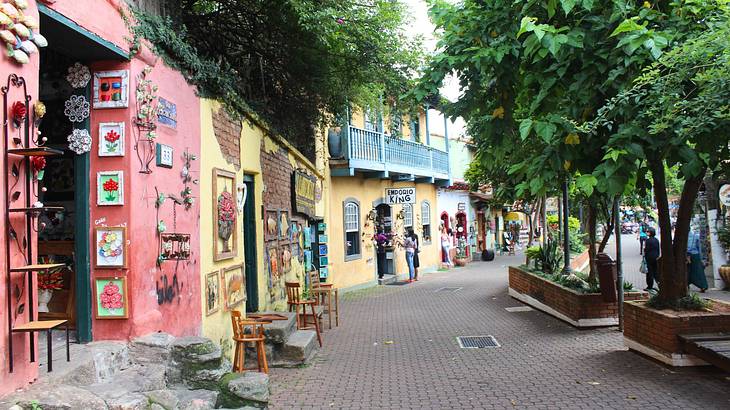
[408, 216]
[372, 120]
[351, 214]
[426, 220]
[415, 131]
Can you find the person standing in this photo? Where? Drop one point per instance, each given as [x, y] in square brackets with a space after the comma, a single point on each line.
[410, 247]
[695, 265]
[445, 248]
[651, 254]
[642, 237]
[416, 262]
[380, 240]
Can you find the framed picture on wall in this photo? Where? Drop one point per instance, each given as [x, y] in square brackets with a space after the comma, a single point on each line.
[110, 188]
[272, 259]
[111, 89]
[271, 225]
[212, 292]
[286, 256]
[111, 247]
[111, 139]
[284, 225]
[110, 298]
[234, 287]
[225, 235]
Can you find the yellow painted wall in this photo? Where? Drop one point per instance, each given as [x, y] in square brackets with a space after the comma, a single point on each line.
[217, 326]
[363, 271]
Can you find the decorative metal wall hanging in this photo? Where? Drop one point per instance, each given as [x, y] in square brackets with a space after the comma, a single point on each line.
[175, 246]
[79, 141]
[78, 75]
[145, 121]
[77, 108]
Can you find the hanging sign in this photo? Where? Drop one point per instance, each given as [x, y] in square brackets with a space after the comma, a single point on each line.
[461, 206]
[303, 187]
[725, 194]
[395, 196]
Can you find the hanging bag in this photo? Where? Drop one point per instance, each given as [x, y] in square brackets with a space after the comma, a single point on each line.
[643, 268]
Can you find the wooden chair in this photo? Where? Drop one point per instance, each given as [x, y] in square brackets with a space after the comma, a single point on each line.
[294, 301]
[323, 293]
[240, 337]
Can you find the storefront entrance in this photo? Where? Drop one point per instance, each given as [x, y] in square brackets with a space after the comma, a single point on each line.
[249, 245]
[386, 255]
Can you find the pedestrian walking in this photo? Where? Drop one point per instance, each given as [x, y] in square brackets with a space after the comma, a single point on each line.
[695, 265]
[416, 262]
[651, 253]
[445, 248]
[410, 247]
[642, 237]
[380, 240]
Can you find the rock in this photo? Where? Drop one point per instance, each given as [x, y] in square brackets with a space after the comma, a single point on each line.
[155, 406]
[197, 399]
[167, 399]
[198, 377]
[153, 348]
[247, 389]
[93, 363]
[300, 347]
[191, 348]
[60, 397]
[129, 401]
[135, 380]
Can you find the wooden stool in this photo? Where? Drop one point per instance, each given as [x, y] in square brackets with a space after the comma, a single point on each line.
[256, 336]
[295, 301]
[323, 293]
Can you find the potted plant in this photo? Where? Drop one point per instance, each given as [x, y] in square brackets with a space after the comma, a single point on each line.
[460, 259]
[48, 281]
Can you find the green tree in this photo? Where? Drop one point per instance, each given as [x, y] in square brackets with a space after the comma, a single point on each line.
[295, 63]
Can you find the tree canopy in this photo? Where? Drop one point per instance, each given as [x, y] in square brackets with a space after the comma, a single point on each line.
[293, 62]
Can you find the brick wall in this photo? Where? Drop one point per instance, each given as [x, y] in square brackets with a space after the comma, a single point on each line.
[276, 171]
[228, 133]
[658, 329]
[566, 301]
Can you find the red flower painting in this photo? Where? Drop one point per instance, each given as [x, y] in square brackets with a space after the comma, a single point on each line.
[111, 139]
[110, 298]
[111, 187]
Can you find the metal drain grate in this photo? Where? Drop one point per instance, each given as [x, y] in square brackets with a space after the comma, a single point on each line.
[448, 290]
[477, 342]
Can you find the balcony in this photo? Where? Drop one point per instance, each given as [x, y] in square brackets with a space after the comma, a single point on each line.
[378, 155]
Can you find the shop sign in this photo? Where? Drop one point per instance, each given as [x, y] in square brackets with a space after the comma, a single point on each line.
[303, 196]
[725, 194]
[166, 113]
[461, 206]
[394, 196]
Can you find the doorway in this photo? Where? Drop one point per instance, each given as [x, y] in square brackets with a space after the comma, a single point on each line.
[249, 245]
[461, 230]
[385, 252]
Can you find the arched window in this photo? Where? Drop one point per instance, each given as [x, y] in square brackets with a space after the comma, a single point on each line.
[408, 216]
[351, 212]
[426, 220]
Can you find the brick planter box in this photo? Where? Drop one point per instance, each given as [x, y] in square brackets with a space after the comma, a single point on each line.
[654, 332]
[578, 309]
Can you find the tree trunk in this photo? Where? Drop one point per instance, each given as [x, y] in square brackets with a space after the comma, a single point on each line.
[591, 222]
[609, 227]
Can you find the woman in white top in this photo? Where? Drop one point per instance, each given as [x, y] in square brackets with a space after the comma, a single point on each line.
[410, 247]
[445, 248]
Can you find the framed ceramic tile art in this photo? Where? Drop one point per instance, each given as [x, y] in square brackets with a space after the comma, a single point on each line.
[234, 288]
[111, 139]
[111, 89]
[110, 188]
[212, 292]
[110, 298]
[225, 243]
[110, 246]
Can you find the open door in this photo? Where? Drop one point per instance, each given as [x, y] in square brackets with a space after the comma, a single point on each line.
[249, 245]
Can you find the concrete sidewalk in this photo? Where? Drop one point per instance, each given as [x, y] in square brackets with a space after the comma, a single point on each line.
[396, 348]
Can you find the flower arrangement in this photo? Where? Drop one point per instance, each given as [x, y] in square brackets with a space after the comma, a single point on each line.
[111, 187]
[226, 217]
[110, 244]
[111, 140]
[18, 112]
[50, 280]
[111, 298]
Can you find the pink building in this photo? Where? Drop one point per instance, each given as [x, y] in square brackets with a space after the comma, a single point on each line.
[124, 175]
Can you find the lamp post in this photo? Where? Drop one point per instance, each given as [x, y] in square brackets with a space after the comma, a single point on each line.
[566, 231]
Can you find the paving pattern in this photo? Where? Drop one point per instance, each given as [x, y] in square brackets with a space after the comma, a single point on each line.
[396, 348]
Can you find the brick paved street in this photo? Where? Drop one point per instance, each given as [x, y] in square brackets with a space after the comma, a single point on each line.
[543, 363]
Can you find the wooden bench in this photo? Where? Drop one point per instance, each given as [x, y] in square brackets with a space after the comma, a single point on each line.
[714, 348]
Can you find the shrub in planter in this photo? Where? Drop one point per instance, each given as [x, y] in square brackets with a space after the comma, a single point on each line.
[461, 258]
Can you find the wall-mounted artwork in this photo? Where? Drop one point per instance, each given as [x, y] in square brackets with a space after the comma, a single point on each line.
[175, 246]
[307, 260]
[284, 225]
[164, 155]
[323, 273]
[286, 256]
[111, 247]
[225, 244]
[234, 286]
[272, 256]
[111, 139]
[271, 225]
[322, 238]
[166, 113]
[110, 188]
[307, 237]
[111, 89]
[212, 292]
[110, 298]
[323, 250]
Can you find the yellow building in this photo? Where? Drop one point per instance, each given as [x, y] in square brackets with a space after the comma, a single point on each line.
[369, 162]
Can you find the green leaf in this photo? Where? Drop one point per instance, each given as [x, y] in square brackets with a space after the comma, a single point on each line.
[586, 183]
[568, 5]
[525, 127]
[526, 25]
[545, 130]
[627, 26]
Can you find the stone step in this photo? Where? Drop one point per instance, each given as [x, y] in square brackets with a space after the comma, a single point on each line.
[90, 363]
[278, 331]
[386, 279]
[299, 349]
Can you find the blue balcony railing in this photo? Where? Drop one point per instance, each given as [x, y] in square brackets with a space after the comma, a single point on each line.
[379, 152]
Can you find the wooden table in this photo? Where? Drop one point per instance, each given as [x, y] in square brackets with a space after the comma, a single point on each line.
[48, 326]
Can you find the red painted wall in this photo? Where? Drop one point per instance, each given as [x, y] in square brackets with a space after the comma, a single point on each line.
[181, 316]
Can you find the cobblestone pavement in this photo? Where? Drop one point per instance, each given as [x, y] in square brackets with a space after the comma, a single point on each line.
[543, 363]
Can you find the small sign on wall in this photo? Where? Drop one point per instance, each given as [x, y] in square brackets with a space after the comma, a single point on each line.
[166, 113]
[164, 156]
[394, 196]
[461, 206]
